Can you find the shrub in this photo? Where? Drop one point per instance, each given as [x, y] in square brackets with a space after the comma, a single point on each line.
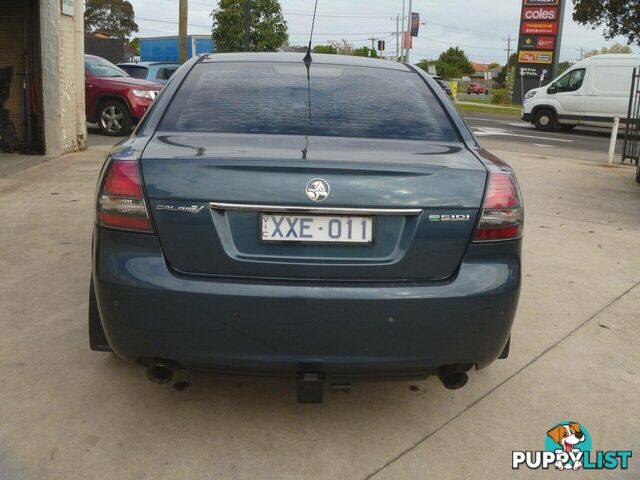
[501, 97]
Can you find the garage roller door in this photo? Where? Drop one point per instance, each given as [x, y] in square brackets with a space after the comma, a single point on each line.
[12, 39]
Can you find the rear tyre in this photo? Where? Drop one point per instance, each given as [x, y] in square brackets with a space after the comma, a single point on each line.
[114, 119]
[545, 120]
[567, 127]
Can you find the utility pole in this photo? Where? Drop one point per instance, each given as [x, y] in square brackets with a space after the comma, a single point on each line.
[508, 50]
[581, 50]
[398, 38]
[373, 45]
[247, 23]
[408, 45]
[402, 48]
[182, 30]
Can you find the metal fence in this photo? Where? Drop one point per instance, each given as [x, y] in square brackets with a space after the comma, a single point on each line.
[631, 148]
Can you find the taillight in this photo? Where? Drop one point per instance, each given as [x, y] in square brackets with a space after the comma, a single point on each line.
[120, 200]
[502, 214]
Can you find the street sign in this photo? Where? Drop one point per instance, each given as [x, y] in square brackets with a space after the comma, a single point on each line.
[539, 28]
[68, 7]
[540, 14]
[432, 70]
[535, 57]
[533, 71]
[415, 24]
[539, 43]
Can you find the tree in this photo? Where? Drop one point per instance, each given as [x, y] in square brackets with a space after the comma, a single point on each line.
[115, 17]
[615, 48]
[330, 49]
[454, 64]
[343, 47]
[493, 65]
[135, 44]
[618, 17]
[424, 64]
[501, 79]
[563, 67]
[365, 52]
[268, 29]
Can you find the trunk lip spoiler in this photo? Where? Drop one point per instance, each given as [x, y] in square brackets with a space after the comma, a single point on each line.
[321, 210]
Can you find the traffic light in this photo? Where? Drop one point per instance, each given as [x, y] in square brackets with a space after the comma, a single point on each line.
[381, 45]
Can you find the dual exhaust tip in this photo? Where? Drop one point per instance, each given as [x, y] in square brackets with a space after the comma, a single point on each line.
[453, 377]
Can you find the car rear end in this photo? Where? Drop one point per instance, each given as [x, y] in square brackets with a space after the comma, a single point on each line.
[273, 217]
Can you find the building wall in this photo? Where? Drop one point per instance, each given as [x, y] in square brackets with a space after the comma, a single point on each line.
[62, 47]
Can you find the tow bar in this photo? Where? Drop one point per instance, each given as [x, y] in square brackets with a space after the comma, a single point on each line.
[310, 388]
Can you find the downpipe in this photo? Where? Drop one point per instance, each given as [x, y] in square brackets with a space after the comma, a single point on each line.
[454, 377]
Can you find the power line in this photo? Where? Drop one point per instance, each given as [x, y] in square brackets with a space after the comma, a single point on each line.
[171, 22]
[305, 13]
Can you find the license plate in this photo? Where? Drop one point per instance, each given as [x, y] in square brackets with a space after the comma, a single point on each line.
[316, 229]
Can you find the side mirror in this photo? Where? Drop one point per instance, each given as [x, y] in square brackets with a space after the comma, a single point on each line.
[552, 89]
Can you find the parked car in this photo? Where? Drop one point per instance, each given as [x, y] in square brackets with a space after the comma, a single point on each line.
[115, 100]
[444, 85]
[592, 92]
[271, 216]
[477, 89]
[155, 71]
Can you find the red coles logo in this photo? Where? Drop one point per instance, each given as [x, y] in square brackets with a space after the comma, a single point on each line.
[549, 14]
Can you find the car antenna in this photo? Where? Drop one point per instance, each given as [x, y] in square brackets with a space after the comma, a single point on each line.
[307, 57]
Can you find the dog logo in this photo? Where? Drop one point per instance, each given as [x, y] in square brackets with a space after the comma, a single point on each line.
[567, 436]
[568, 446]
[318, 190]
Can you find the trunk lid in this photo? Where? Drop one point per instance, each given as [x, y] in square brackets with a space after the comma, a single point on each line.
[184, 173]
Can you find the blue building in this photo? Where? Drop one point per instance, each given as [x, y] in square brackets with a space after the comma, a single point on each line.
[165, 49]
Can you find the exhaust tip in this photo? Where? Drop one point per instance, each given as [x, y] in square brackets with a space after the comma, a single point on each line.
[453, 377]
[160, 373]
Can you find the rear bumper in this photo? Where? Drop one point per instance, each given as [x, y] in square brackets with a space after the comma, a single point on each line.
[148, 311]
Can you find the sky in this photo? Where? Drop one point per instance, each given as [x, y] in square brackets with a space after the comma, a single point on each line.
[479, 27]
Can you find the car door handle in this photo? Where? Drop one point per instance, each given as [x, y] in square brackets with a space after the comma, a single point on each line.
[593, 94]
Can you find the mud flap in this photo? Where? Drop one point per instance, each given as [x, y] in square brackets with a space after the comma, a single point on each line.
[505, 352]
[97, 339]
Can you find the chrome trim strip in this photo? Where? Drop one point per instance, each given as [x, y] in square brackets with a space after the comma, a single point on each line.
[327, 210]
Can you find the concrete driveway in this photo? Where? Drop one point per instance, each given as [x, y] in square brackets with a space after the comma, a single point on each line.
[67, 413]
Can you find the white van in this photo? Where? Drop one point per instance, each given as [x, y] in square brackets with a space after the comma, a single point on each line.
[592, 92]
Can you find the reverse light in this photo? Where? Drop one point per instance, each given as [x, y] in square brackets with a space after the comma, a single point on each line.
[502, 214]
[143, 94]
[120, 200]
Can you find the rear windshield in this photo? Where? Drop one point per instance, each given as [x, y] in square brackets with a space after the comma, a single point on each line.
[279, 98]
[135, 71]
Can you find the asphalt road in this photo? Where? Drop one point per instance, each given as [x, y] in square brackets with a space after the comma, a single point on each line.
[512, 134]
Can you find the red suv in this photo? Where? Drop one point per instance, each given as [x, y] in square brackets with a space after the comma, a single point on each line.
[477, 89]
[114, 100]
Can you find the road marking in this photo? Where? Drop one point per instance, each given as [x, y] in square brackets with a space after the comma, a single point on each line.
[489, 131]
[506, 122]
[541, 145]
